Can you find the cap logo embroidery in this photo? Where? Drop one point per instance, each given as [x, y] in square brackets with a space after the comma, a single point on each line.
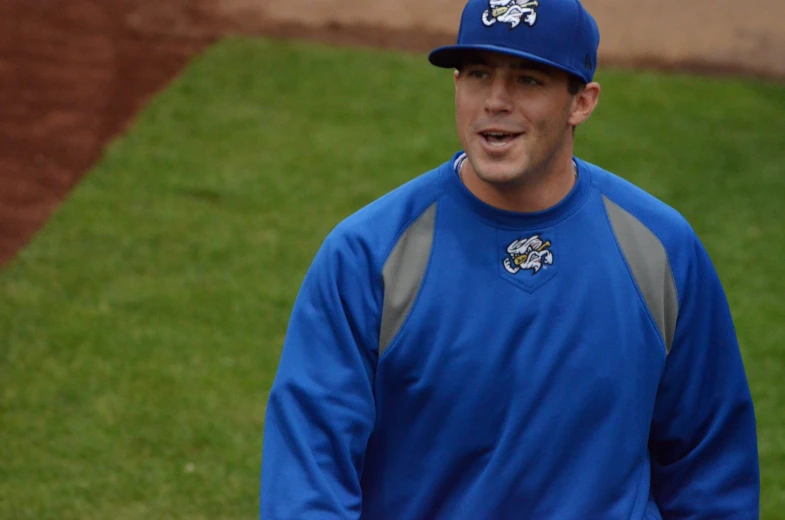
[587, 62]
[528, 254]
[511, 12]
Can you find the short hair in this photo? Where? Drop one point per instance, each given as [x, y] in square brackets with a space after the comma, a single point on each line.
[575, 84]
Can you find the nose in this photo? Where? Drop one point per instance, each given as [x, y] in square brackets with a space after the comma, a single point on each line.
[499, 99]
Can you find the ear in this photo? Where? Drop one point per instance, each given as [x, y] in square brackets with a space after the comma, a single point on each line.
[456, 74]
[583, 103]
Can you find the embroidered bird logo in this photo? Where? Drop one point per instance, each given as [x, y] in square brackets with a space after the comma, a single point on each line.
[511, 12]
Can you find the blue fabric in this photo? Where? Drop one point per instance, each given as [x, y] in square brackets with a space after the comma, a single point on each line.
[535, 395]
[560, 33]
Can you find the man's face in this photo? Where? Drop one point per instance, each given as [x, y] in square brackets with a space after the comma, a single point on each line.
[513, 116]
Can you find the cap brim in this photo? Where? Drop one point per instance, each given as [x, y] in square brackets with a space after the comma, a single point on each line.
[450, 57]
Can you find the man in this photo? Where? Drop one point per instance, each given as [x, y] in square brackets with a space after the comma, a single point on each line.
[517, 334]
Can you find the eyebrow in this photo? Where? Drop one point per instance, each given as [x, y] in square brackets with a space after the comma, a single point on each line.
[518, 65]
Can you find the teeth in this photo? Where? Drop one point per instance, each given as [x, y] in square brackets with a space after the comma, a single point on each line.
[498, 139]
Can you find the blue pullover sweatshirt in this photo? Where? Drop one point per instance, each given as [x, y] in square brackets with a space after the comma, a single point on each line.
[449, 360]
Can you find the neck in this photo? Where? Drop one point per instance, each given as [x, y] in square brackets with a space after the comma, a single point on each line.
[537, 192]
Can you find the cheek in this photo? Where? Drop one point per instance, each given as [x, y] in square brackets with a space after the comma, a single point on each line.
[463, 119]
[460, 109]
[550, 121]
[467, 106]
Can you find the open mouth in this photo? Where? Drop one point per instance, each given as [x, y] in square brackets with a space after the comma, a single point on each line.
[499, 139]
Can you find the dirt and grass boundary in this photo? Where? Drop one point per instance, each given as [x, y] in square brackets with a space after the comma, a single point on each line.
[75, 71]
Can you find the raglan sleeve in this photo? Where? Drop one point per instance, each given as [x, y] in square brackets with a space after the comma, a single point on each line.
[320, 411]
[703, 441]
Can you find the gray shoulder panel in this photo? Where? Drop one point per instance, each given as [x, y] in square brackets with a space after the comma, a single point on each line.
[650, 267]
[403, 273]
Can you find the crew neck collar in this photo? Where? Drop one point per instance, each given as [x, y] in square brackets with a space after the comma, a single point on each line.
[503, 218]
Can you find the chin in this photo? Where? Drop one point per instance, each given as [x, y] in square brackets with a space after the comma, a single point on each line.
[500, 173]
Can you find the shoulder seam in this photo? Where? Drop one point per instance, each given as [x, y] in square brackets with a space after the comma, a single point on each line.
[409, 277]
[633, 278]
[408, 224]
[667, 251]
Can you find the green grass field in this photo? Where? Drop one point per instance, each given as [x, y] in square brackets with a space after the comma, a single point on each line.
[140, 331]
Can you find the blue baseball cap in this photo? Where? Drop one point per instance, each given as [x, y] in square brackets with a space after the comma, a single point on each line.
[559, 33]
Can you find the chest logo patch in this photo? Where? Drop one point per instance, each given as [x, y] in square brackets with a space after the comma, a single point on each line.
[528, 254]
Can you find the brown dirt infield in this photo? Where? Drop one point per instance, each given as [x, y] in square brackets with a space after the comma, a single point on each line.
[74, 72]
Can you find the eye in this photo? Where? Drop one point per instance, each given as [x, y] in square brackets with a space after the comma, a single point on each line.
[529, 80]
[478, 73]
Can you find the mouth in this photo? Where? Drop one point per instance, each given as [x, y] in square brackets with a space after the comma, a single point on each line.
[498, 139]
